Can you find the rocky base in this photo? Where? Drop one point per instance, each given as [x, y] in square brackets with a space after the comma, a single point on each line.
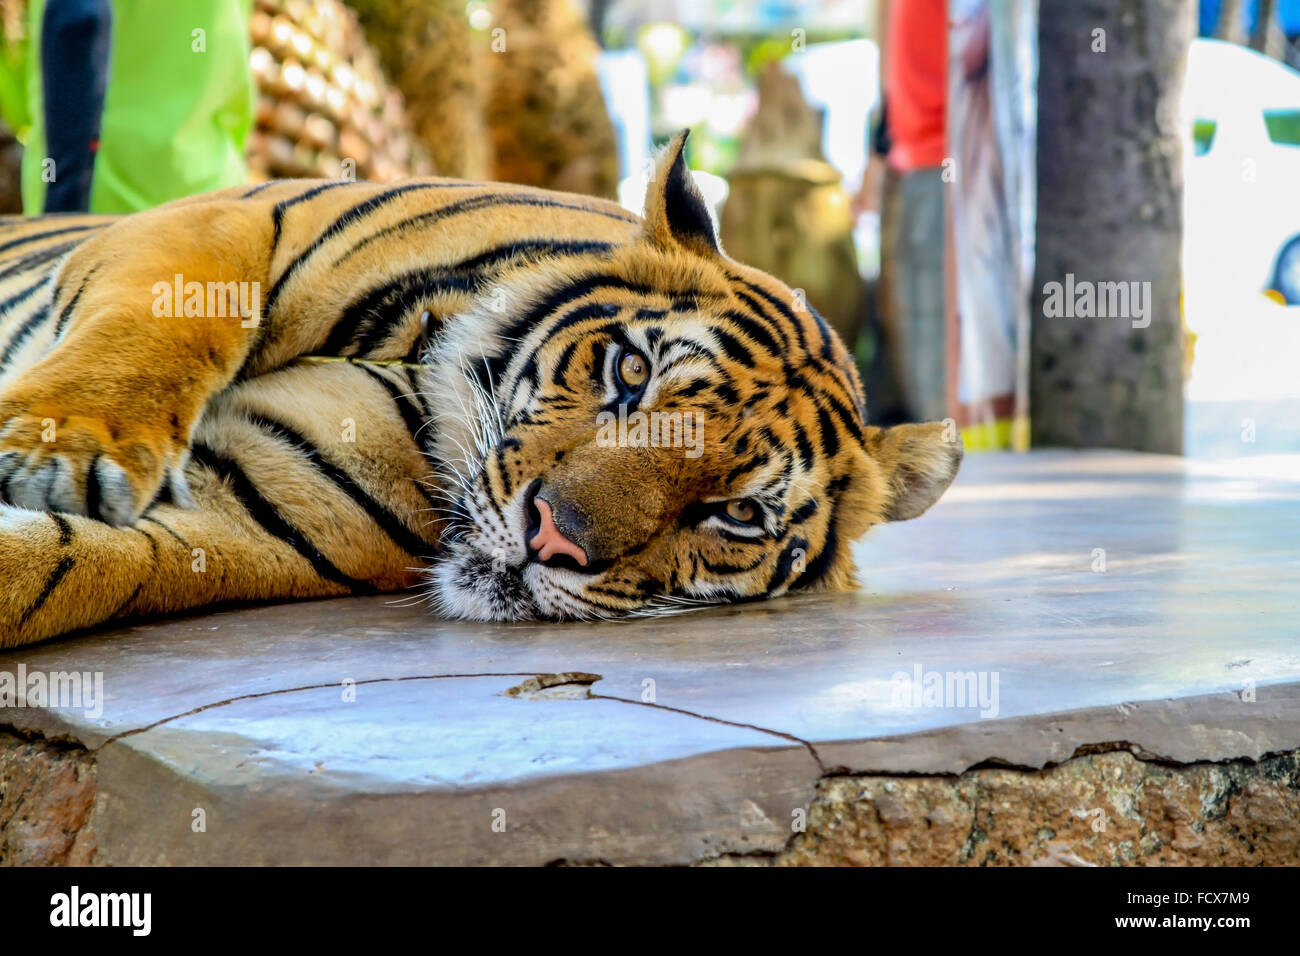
[1101, 809]
[47, 791]
[1104, 808]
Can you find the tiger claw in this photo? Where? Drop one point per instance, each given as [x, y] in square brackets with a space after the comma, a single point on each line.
[85, 466]
[106, 492]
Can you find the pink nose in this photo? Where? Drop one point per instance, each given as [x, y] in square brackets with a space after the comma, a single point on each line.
[549, 541]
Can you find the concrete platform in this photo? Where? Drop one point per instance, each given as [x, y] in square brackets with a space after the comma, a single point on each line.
[1129, 622]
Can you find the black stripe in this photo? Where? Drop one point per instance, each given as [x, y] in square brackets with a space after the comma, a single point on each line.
[785, 563]
[28, 326]
[777, 304]
[19, 298]
[380, 308]
[823, 330]
[415, 416]
[165, 527]
[65, 529]
[750, 465]
[153, 544]
[66, 312]
[804, 511]
[37, 237]
[351, 217]
[830, 439]
[476, 204]
[392, 525]
[804, 447]
[507, 484]
[52, 582]
[268, 516]
[260, 187]
[825, 361]
[583, 313]
[755, 331]
[724, 569]
[284, 205]
[369, 320]
[127, 603]
[92, 489]
[578, 289]
[816, 569]
[32, 260]
[727, 394]
[850, 422]
[562, 363]
[532, 248]
[693, 388]
[734, 349]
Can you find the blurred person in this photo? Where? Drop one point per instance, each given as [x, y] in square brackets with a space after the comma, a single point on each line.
[914, 66]
[878, 195]
[137, 102]
[74, 47]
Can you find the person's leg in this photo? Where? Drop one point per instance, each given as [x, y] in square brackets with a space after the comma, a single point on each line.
[922, 339]
[75, 44]
[883, 379]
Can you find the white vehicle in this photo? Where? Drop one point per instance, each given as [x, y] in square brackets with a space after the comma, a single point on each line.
[1241, 167]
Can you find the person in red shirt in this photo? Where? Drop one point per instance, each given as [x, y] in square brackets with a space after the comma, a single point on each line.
[914, 68]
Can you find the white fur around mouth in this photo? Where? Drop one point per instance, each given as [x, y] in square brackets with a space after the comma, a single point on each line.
[469, 585]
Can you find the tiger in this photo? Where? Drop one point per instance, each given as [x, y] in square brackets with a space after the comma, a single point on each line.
[305, 389]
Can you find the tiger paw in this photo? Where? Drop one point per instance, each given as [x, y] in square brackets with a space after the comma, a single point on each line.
[52, 461]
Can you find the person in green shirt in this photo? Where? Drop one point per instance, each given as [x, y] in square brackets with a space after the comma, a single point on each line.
[176, 112]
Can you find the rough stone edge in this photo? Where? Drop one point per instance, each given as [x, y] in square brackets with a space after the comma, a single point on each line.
[1105, 807]
[1241, 735]
[734, 800]
[48, 790]
[1201, 728]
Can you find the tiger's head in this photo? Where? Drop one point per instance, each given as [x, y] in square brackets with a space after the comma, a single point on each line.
[655, 427]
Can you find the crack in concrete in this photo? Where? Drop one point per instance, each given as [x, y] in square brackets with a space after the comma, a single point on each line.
[543, 681]
[533, 682]
[821, 767]
[292, 690]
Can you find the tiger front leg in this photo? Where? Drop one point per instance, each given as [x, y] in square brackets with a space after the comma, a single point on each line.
[160, 320]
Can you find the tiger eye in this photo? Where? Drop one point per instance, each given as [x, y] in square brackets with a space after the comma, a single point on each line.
[741, 511]
[632, 370]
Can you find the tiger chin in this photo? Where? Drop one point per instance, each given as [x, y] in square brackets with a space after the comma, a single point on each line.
[527, 404]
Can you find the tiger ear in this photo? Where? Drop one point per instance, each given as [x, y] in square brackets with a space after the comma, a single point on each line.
[675, 212]
[918, 463]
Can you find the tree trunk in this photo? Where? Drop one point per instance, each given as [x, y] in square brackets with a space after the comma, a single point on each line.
[1106, 344]
[1259, 36]
[1229, 27]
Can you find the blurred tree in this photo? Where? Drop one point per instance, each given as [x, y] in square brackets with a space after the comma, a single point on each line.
[432, 55]
[544, 108]
[1231, 25]
[1266, 35]
[1109, 211]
